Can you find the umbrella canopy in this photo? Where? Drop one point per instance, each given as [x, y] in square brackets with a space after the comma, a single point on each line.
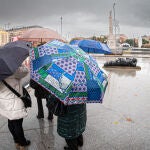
[92, 46]
[41, 35]
[11, 57]
[68, 72]
[75, 42]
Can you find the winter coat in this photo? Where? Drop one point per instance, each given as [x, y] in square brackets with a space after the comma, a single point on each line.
[72, 124]
[11, 106]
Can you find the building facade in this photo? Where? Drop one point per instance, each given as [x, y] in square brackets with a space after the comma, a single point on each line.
[122, 38]
[17, 32]
[147, 38]
[4, 37]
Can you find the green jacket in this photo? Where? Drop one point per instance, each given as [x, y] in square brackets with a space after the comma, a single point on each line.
[72, 124]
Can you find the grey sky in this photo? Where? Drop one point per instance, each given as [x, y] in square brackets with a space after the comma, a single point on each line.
[80, 17]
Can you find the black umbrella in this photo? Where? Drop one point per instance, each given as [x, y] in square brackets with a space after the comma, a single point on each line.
[11, 57]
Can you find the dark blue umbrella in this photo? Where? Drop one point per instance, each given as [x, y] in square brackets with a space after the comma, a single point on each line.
[11, 57]
[92, 46]
[74, 42]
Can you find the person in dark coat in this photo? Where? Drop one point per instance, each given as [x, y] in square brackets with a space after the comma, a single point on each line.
[40, 93]
[71, 124]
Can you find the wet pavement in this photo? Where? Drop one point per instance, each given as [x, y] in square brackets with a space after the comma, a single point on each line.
[122, 122]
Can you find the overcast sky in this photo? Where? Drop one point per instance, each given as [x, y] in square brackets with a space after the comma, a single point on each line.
[80, 17]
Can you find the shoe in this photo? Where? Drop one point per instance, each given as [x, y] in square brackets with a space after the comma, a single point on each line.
[17, 146]
[50, 117]
[66, 148]
[40, 116]
[80, 140]
[27, 143]
[22, 148]
[80, 143]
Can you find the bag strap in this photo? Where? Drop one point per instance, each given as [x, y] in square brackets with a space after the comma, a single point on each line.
[13, 90]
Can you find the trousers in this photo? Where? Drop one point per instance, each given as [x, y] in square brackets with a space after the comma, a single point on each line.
[41, 111]
[16, 129]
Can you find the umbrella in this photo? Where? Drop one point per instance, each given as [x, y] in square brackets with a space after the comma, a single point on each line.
[41, 35]
[11, 57]
[92, 46]
[68, 72]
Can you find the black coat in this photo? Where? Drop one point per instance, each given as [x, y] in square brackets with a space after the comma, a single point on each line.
[39, 92]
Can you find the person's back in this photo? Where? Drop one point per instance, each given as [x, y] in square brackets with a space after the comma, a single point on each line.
[71, 126]
[13, 105]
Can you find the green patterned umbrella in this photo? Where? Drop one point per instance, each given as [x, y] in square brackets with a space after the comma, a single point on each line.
[68, 72]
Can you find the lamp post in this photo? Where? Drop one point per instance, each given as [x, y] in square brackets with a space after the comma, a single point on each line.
[114, 22]
[61, 25]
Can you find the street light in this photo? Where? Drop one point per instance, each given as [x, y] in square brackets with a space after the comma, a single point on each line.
[61, 25]
[114, 22]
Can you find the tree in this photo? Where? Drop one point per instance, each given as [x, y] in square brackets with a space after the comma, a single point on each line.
[94, 38]
[145, 41]
[102, 39]
[132, 42]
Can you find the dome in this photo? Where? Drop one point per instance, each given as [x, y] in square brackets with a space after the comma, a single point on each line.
[41, 33]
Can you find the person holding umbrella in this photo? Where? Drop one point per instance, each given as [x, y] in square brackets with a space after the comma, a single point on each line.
[71, 121]
[41, 93]
[73, 78]
[14, 74]
[72, 125]
[13, 108]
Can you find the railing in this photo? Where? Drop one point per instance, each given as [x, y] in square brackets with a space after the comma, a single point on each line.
[141, 49]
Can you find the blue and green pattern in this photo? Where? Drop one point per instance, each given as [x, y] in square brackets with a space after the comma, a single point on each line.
[68, 72]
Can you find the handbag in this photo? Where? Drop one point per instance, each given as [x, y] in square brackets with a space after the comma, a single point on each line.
[25, 98]
[56, 106]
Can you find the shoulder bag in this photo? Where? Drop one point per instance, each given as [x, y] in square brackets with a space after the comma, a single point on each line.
[25, 98]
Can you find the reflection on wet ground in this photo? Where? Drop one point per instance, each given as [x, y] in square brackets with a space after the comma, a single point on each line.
[121, 72]
[122, 122]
